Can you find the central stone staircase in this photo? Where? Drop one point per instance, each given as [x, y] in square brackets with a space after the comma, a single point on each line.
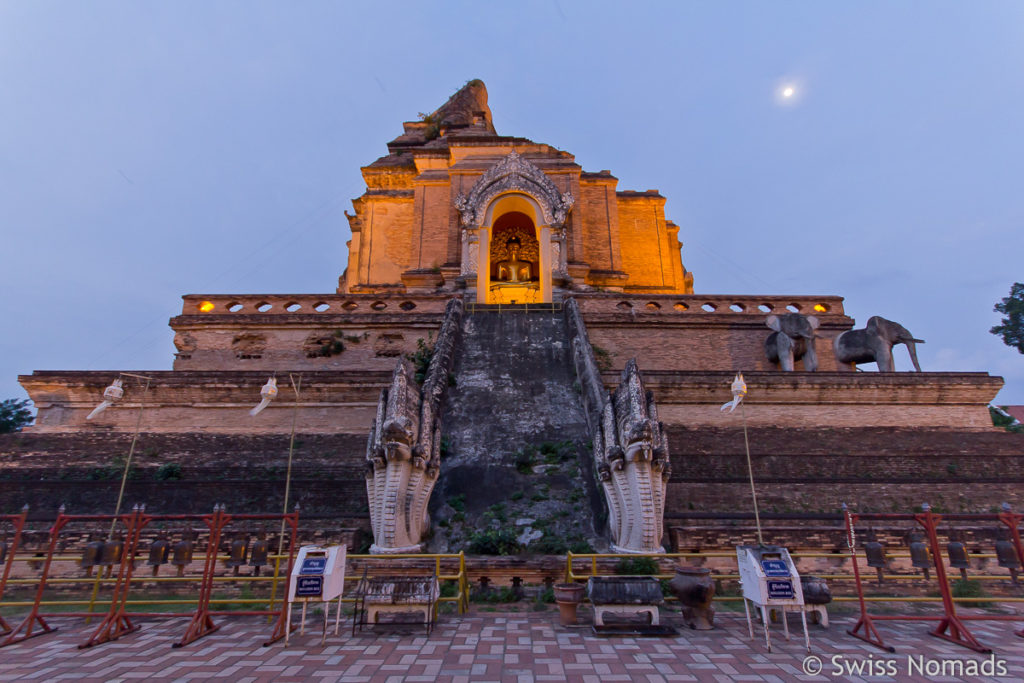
[516, 469]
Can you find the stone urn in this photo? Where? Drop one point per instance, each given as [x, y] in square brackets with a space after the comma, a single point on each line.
[695, 589]
[568, 596]
[816, 590]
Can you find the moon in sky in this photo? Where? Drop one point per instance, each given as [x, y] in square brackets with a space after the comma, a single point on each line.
[788, 91]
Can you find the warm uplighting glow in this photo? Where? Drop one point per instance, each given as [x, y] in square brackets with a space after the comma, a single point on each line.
[819, 308]
[206, 306]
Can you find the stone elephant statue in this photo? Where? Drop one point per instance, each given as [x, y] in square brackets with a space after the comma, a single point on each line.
[792, 340]
[874, 344]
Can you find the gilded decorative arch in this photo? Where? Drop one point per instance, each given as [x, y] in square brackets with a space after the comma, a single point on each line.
[514, 174]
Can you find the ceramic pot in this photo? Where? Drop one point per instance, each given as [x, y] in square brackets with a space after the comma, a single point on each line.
[695, 589]
[568, 596]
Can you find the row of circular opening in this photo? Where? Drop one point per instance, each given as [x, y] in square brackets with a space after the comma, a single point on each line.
[294, 307]
[712, 307]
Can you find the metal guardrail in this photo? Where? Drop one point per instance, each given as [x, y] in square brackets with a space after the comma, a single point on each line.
[572, 574]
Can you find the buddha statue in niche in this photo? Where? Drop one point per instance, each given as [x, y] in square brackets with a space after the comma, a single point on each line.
[513, 269]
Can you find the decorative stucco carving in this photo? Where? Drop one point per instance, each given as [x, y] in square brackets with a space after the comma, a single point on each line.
[513, 174]
[403, 452]
[631, 452]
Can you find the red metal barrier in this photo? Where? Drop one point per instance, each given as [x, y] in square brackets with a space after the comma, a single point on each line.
[18, 522]
[117, 621]
[27, 628]
[951, 625]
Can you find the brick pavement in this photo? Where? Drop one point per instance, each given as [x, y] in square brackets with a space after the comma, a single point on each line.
[526, 646]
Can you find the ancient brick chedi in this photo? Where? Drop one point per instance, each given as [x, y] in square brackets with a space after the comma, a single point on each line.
[552, 416]
[442, 207]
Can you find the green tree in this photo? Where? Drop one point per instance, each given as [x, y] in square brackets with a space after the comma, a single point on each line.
[1012, 329]
[14, 414]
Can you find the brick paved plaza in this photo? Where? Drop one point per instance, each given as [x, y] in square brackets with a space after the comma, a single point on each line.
[526, 646]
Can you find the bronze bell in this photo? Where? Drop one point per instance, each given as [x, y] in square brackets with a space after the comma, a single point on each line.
[1006, 556]
[919, 555]
[259, 556]
[957, 553]
[158, 552]
[875, 553]
[181, 555]
[111, 554]
[238, 554]
[91, 556]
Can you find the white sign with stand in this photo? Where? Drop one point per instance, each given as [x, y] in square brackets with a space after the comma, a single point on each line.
[769, 580]
[318, 575]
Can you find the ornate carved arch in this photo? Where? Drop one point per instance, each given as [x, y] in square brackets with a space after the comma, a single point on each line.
[514, 174]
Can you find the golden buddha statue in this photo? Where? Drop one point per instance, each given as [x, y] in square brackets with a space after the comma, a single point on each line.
[512, 269]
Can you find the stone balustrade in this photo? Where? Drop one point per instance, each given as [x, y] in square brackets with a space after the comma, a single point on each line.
[715, 304]
[311, 304]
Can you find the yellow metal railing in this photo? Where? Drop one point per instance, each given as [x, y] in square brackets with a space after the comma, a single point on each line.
[591, 559]
[96, 604]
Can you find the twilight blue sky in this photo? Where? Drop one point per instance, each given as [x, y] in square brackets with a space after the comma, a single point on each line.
[148, 150]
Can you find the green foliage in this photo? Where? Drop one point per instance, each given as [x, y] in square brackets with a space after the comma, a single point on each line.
[496, 512]
[602, 357]
[14, 414]
[1012, 329]
[169, 471]
[497, 595]
[549, 544]
[421, 357]
[557, 452]
[547, 596]
[494, 542]
[445, 447]
[525, 459]
[539, 497]
[449, 589]
[970, 589]
[458, 503]
[517, 495]
[630, 566]
[581, 546]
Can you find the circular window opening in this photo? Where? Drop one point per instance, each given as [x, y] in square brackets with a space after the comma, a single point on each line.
[292, 307]
[350, 305]
[710, 308]
[820, 308]
[407, 305]
[263, 307]
[320, 307]
[653, 306]
[234, 307]
[205, 306]
[378, 305]
[793, 308]
[765, 308]
[680, 306]
[737, 308]
[624, 306]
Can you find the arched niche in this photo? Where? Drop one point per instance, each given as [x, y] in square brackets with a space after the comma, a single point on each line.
[514, 259]
[513, 185]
